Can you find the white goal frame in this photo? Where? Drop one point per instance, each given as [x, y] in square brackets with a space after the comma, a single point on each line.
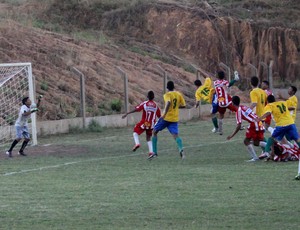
[31, 94]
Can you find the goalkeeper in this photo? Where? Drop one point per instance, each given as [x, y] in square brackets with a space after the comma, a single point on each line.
[21, 125]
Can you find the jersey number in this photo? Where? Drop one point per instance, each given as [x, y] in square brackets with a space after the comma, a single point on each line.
[174, 103]
[205, 91]
[282, 108]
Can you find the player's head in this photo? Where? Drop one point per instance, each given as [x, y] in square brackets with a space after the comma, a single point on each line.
[150, 95]
[170, 85]
[254, 81]
[292, 90]
[26, 101]
[221, 75]
[271, 99]
[197, 83]
[265, 85]
[236, 100]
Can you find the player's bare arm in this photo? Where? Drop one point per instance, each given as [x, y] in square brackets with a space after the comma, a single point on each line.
[237, 129]
[125, 115]
[167, 107]
[262, 118]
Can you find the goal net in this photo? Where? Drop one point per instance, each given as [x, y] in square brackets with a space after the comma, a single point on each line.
[16, 82]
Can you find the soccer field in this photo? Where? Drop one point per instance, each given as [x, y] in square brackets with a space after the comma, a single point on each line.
[94, 181]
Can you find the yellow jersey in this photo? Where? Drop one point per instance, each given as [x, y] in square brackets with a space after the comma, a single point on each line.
[176, 99]
[293, 102]
[205, 91]
[280, 112]
[259, 97]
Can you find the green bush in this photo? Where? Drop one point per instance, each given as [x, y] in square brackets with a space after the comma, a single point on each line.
[94, 127]
[116, 105]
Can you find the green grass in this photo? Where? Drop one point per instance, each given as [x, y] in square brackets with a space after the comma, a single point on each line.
[106, 186]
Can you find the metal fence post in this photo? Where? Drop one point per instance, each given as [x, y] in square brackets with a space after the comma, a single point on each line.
[253, 68]
[124, 75]
[165, 77]
[82, 94]
[270, 74]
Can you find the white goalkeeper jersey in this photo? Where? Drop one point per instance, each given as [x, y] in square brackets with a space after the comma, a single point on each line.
[22, 119]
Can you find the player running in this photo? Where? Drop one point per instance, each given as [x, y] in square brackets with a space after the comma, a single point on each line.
[255, 130]
[173, 101]
[150, 111]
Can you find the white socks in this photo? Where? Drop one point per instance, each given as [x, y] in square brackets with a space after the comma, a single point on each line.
[150, 146]
[262, 144]
[252, 152]
[136, 138]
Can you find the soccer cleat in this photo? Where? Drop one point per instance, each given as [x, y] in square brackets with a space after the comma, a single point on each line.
[182, 155]
[152, 155]
[8, 153]
[135, 147]
[21, 153]
[297, 177]
[253, 160]
[214, 130]
[264, 155]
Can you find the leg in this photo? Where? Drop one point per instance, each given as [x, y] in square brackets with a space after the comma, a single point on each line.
[149, 141]
[136, 132]
[173, 129]
[251, 150]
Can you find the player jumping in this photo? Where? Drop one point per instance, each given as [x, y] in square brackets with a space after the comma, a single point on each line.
[21, 125]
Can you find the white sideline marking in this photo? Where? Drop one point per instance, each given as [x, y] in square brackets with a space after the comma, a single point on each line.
[104, 158]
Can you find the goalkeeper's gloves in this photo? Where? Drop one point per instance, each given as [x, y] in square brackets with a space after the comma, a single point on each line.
[34, 110]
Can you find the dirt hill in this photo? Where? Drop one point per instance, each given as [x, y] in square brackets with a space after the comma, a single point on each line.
[96, 38]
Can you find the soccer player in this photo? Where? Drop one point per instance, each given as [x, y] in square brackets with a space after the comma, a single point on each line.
[169, 119]
[224, 99]
[255, 130]
[207, 94]
[265, 85]
[292, 101]
[284, 122]
[258, 97]
[150, 111]
[21, 125]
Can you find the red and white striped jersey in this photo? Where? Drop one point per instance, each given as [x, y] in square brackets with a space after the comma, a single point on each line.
[247, 114]
[221, 87]
[150, 112]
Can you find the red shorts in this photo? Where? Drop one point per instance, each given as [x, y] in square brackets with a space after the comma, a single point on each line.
[139, 128]
[255, 135]
[268, 120]
[231, 107]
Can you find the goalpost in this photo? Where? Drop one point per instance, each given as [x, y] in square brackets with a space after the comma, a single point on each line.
[16, 82]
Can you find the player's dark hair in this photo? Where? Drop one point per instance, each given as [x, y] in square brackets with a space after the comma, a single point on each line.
[170, 85]
[150, 95]
[236, 100]
[294, 88]
[254, 81]
[24, 100]
[221, 74]
[270, 99]
[197, 82]
[266, 82]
